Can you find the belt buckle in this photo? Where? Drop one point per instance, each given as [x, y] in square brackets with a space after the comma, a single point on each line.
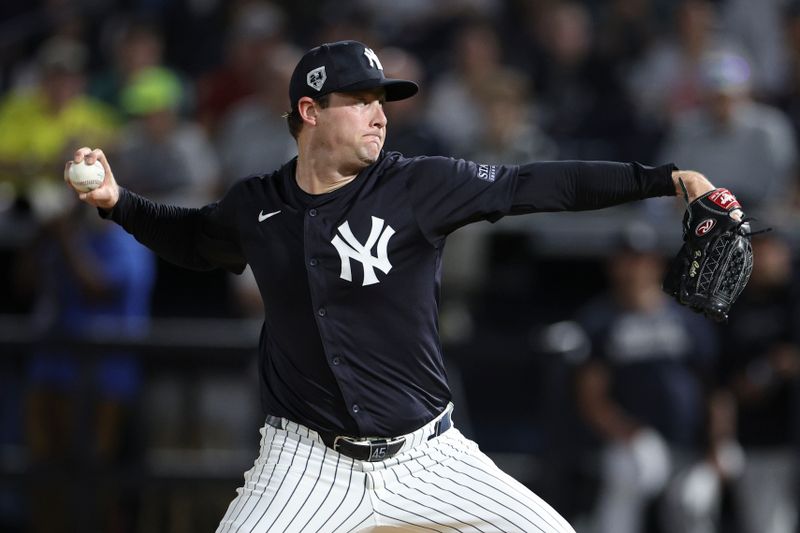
[378, 448]
[336, 442]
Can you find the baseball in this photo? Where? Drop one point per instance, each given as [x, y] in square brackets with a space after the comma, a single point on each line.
[85, 177]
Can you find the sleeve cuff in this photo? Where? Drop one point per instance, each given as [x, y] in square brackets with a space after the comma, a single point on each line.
[657, 181]
[115, 213]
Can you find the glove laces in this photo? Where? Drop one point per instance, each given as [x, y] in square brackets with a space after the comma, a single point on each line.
[745, 220]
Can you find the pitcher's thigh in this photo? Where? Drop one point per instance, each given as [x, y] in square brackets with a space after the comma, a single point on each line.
[298, 485]
[455, 487]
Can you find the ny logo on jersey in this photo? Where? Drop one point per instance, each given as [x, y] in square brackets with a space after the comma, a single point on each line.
[350, 248]
[374, 62]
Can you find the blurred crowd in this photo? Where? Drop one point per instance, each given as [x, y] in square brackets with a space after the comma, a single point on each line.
[651, 419]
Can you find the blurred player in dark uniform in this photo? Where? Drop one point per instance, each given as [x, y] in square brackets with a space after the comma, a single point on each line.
[643, 391]
[761, 368]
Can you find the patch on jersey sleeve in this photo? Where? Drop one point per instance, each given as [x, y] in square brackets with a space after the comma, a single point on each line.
[487, 172]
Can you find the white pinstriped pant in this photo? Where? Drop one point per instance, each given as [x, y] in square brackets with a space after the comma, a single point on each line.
[445, 484]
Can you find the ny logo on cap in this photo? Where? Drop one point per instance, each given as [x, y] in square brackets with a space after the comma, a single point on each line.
[374, 62]
[316, 78]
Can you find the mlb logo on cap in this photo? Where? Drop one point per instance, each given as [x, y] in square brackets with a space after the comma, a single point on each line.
[343, 66]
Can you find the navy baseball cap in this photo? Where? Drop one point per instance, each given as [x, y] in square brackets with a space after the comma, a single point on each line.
[343, 66]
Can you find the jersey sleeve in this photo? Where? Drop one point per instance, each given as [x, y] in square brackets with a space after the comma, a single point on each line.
[584, 185]
[196, 238]
[449, 193]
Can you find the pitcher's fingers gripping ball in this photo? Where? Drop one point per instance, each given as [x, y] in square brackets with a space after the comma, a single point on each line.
[85, 177]
[716, 259]
[90, 175]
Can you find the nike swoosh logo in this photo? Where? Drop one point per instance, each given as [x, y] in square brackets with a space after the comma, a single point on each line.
[262, 217]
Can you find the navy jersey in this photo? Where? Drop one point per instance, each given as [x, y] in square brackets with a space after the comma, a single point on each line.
[350, 279]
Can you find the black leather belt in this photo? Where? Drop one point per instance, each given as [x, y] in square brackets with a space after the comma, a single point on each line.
[366, 449]
[370, 449]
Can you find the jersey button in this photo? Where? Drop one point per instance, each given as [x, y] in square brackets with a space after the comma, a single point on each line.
[322, 311]
[313, 262]
[356, 408]
[336, 361]
[312, 212]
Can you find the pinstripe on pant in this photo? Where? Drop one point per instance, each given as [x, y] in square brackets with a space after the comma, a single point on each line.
[445, 484]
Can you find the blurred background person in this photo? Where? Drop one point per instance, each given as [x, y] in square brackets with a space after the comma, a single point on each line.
[88, 279]
[761, 369]
[25, 35]
[666, 81]
[642, 391]
[511, 132]
[411, 135]
[171, 158]
[454, 111]
[160, 151]
[751, 145]
[626, 33]
[252, 135]
[134, 44]
[39, 126]
[583, 105]
[170, 155]
[412, 19]
[338, 21]
[761, 34]
[256, 26]
[787, 96]
[40, 122]
[627, 29]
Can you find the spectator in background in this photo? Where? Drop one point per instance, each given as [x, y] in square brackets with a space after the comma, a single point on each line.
[396, 20]
[39, 121]
[88, 277]
[761, 368]
[511, 134]
[338, 21]
[161, 152]
[453, 109]
[137, 46]
[252, 136]
[39, 126]
[626, 29]
[50, 23]
[582, 104]
[410, 134]
[759, 29]
[172, 159]
[251, 141]
[788, 97]
[256, 27]
[750, 144]
[642, 390]
[666, 81]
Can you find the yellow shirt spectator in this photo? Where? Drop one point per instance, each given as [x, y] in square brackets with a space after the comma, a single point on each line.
[36, 139]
